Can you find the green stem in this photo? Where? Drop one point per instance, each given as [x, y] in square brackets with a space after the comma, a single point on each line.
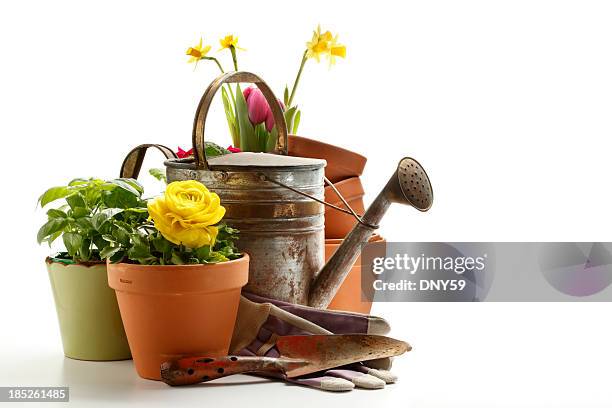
[216, 62]
[234, 59]
[297, 80]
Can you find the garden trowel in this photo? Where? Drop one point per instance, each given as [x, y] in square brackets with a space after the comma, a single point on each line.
[299, 355]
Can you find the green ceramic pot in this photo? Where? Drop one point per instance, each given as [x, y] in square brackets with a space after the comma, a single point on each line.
[87, 310]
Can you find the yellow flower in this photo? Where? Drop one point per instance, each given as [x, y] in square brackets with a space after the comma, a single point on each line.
[229, 41]
[319, 44]
[336, 50]
[198, 52]
[186, 214]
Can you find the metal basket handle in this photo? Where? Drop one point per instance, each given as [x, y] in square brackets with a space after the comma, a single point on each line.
[199, 151]
[133, 161]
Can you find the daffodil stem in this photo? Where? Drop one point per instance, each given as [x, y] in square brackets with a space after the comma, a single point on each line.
[297, 80]
[234, 59]
[216, 62]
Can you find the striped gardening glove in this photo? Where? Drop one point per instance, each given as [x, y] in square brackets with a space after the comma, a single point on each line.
[261, 321]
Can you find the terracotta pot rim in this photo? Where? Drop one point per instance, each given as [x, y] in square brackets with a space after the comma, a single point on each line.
[186, 266]
[169, 280]
[330, 146]
[348, 161]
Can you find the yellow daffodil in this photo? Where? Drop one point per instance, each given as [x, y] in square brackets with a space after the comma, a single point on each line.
[336, 50]
[229, 41]
[198, 52]
[319, 44]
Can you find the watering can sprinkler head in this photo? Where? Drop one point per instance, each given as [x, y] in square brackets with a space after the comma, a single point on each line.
[409, 185]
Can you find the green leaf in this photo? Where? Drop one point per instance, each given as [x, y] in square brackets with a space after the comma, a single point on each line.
[248, 139]
[51, 227]
[55, 213]
[85, 225]
[161, 244]
[202, 253]
[99, 219]
[118, 256]
[213, 149]
[109, 238]
[138, 252]
[271, 143]
[176, 259]
[129, 185]
[53, 237]
[85, 250]
[229, 111]
[262, 137]
[122, 235]
[286, 96]
[78, 182]
[109, 251]
[120, 198]
[76, 200]
[289, 114]
[52, 194]
[80, 212]
[73, 242]
[296, 122]
[99, 242]
[229, 107]
[159, 174]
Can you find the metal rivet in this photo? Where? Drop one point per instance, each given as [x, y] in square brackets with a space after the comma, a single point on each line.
[221, 176]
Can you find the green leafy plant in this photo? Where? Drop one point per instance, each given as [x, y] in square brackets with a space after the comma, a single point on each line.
[89, 209]
[147, 246]
[101, 220]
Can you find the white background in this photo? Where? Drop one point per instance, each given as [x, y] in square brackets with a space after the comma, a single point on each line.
[505, 103]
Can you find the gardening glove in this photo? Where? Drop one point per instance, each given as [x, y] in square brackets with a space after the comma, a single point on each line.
[261, 321]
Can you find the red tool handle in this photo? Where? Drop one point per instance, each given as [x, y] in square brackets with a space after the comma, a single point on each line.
[193, 370]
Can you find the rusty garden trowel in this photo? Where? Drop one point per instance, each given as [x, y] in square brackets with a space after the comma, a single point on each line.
[299, 355]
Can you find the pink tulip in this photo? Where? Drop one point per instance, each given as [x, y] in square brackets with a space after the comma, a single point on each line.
[259, 110]
[257, 105]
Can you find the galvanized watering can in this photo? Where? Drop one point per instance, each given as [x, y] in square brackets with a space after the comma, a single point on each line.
[276, 201]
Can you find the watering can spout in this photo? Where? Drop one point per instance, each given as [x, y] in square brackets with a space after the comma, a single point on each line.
[409, 185]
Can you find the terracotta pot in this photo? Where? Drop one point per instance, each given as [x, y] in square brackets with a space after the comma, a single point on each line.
[349, 296]
[89, 319]
[337, 223]
[341, 163]
[173, 311]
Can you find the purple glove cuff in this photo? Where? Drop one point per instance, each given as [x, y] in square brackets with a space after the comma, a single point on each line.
[335, 321]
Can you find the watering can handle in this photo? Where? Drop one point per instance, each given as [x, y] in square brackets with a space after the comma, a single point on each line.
[133, 161]
[199, 122]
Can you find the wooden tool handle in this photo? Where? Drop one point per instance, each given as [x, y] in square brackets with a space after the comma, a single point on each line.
[194, 370]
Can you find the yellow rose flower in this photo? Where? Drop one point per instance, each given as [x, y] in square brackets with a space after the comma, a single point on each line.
[186, 214]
